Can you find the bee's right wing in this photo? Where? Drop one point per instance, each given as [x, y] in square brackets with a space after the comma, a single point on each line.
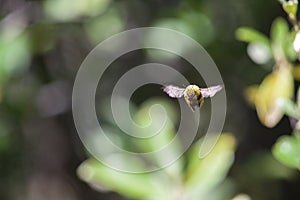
[211, 91]
[173, 91]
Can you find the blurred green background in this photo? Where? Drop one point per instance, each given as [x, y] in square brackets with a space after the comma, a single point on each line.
[42, 44]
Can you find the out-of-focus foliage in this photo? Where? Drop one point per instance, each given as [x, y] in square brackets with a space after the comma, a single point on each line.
[287, 150]
[193, 24]
[202, 175]
[43, 43]
[278, 84]
[195, 181]
[273, 97]
[290, 7]
[66, 10]
[97, 29]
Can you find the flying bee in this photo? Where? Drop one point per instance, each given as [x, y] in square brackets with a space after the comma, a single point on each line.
[193, 95]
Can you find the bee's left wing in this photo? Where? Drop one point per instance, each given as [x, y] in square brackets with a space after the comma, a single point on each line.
[211, 91]
[174, 91]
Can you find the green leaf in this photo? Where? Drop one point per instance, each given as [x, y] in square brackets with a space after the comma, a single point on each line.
[287, 150]
[14, 56]
[202, 175]
[150, 117]
[250, 35]
[288, 46]
[140, 186]
[288, 107]
[289, 50]
[290, 7]
[279, 37]
[279, 30]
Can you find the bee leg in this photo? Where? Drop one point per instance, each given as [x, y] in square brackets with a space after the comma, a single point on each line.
[200, 100]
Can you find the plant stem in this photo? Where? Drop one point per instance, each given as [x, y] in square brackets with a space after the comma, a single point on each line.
[294, 22]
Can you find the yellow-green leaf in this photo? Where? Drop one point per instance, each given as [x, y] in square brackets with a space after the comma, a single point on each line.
[138, 186]
[278, 84]
[203, 175]
[290, 7]
[250, 94]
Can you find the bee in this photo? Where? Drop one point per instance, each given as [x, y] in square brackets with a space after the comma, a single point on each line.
[193, 95]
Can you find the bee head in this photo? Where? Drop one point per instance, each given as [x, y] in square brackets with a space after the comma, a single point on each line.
[192, 90]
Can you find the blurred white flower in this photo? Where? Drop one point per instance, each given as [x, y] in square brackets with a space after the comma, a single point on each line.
[296, 42]
[259, 53]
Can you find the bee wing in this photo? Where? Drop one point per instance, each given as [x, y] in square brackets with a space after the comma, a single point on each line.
[173, 91]
[211, 91]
